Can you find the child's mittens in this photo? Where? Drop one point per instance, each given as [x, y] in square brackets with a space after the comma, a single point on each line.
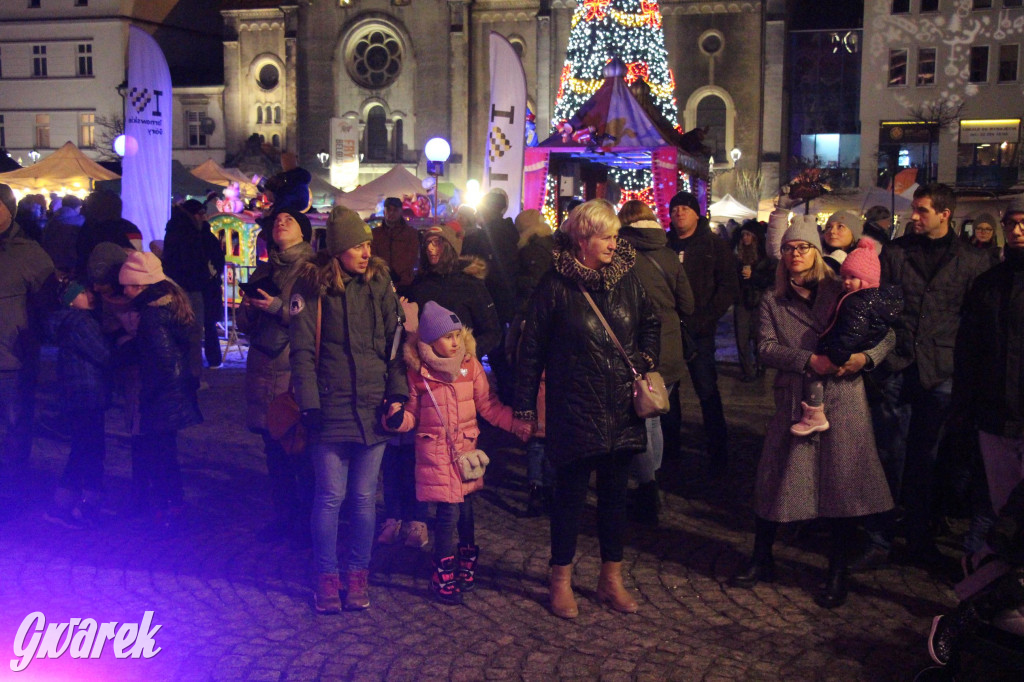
[394, 422]
[523, 430]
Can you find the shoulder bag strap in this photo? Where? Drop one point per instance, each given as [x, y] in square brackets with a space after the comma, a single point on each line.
[660, 269]
[608, 329]
[444, 422]
[319, 324]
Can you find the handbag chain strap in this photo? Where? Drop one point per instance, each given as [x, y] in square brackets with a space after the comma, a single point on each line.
[608, 329]
[444, 422]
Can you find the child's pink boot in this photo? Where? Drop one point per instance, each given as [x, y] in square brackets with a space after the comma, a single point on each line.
[813, 421]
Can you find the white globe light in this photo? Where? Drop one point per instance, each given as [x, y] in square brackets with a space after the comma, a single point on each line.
[437, 149]
[119, 145]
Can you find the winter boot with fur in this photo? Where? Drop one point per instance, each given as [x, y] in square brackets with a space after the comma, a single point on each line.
[326, 598]
[466, 574]
[443, 582]
[813, 421]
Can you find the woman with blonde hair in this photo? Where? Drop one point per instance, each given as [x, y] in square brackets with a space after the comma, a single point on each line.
[591, 424]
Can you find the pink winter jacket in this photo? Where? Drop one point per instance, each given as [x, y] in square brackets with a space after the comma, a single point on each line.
[437, 479]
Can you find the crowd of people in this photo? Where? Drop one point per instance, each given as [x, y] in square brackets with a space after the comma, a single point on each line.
[882, 351]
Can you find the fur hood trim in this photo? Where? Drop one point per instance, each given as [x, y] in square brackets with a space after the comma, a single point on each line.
[161, 301]
[648, 224]
[412, 356]
[474, 266]
[323, 273]
[607, 277]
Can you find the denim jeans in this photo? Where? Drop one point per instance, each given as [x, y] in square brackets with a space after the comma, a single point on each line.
[452, 517]
[538, 467]
[571, 484]
[704, 376]
[399, 479]
[344, 470]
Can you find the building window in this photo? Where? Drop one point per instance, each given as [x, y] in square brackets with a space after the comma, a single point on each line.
[711, 114]
[194, 129]
[268, 77]
[929, 6]
[85, 59]
[259, 116]
[1008, 63]
[42, 131]
[277, 115]
[276, 141]
[39, 61]
[987, 153]
[33, 4]
[926, 66]
[1, 66]
[87, 130]
[376, 134]
[396, 139]
[1012, 3]
[982, 4]
[900, 6]
[907, 148]
[897, 68]
[81, 3]
[374, 58]
[979, 64]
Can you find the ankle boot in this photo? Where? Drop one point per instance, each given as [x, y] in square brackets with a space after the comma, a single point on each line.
[563, 603]
[834, 594]
[326, 598]
[466, 574]
[757, 571]
[443, 582]
[813, 421]
[357, 594]
[611, 591]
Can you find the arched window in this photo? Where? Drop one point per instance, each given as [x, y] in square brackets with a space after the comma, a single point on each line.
[376, 134]
[259, 115]
[270, 114]
[396, 136]
[711, 114]
[276, 141]
[277, 114]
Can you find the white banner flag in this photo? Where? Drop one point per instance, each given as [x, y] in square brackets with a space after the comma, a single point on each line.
[344, 154]
[146, 181]
[506, 124]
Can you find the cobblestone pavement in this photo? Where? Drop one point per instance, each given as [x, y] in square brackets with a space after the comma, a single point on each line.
[231, 607]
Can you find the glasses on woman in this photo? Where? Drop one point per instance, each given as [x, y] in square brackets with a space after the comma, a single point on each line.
[787, 249]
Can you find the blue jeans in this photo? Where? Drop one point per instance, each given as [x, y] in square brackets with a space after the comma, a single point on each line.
[538, 468]
[647, 463]
[344, 470]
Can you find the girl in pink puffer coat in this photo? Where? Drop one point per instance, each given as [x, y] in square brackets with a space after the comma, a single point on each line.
[441, 361]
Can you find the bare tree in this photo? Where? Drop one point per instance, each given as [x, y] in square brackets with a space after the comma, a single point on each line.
[750, 187]
[109, 128]
[945, 113]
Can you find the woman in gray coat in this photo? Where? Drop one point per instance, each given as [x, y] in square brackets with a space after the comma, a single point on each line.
[835, 474]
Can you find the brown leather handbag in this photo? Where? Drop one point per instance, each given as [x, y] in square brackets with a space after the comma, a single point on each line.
[284, 418]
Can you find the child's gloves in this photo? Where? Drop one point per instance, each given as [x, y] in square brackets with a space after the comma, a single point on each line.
[523, 430]
[394, 421]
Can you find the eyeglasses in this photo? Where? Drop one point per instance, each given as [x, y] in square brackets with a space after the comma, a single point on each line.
[1013, 223]
[801, 249]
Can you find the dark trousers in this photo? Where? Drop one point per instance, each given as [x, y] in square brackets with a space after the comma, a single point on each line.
[195, 335]
[84, 470]
[704, 376]
[398, 471]
[908, 423]
[291, 482]
[452, 517]
[841, 531]
[156, 475]
[17, 409]
[571, 483]
[744, 320]
[213, 312]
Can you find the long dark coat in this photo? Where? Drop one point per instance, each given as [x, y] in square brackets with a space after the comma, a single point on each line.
[835, 473]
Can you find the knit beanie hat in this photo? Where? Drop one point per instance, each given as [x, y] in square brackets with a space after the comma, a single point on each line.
[7, 197]
[142, 267]
[446, 233]
[803, 229]
[193, 206]
[1016, 206]
[70, 292]
[986, 219]
[345, 229]
[393, 202]
[684, 199]
[862, 263]
[849, 219]
[105, 263]
[302, 220]
[436, 321]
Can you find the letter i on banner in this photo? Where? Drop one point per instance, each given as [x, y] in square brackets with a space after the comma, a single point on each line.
[506, 125]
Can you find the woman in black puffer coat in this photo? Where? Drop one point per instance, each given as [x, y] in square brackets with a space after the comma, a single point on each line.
[591, 424]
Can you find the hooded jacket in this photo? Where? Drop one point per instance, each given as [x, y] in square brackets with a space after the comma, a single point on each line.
[185, 258]
[459, 399]
[464, 292]
[711, 268]
[861, 321]
[589, 391]
[24, 270]
[356, 372]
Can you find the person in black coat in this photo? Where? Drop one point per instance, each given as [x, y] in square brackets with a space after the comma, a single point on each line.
[591, 424]
[757, 275]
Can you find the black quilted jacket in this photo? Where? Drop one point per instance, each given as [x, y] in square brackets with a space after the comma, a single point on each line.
[588, 384]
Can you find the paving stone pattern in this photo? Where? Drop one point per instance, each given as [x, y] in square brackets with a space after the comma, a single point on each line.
[233, 608]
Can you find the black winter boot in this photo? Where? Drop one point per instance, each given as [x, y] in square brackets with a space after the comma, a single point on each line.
[465, 576]
[443, 583]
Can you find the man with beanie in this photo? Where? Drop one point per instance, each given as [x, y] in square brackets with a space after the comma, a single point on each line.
[343, 388]
[25, 270]
[397, 243]
[842, 231]
[711, 269]
[935, 271]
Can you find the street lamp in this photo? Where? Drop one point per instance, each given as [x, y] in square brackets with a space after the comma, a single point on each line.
[323, 157]
[34, 155]
[437, 151]
[735, 155]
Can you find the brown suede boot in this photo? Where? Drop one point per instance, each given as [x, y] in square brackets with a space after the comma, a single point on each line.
[611, 591]
[357, 596]
[326, 598]
[563, 603]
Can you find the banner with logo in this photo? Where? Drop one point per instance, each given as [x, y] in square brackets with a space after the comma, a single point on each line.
[506, 124]
[344, 153]
[146, 180]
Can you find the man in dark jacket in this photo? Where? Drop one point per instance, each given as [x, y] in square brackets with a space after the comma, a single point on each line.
[398, 244]
[24, 270]
[711, 268]
[935, 271]
[988, 379]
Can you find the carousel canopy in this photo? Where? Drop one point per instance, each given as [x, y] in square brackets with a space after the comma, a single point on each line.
[67, 167]
[213, 172]
[728, 207]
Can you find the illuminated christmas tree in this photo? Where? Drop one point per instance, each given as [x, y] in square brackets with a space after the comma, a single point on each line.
[628, 29]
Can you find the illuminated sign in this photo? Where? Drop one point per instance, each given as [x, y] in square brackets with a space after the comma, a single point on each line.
[989, 131]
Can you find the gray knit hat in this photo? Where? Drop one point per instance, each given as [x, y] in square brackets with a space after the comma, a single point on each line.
[436, 321]
[1016, 206]
[803, 229]
[345, 229]
[105, 263]
[850, 219]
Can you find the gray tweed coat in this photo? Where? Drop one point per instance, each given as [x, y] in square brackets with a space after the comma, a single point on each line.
[832, 474]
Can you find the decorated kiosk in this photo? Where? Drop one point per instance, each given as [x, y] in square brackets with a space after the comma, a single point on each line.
[618, 146]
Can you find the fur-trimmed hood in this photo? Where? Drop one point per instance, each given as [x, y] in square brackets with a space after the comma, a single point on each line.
[412, 356]
[474, 266]
[323, 273]
[607, 277]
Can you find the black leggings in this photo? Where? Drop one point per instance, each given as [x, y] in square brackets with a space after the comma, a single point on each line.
[571, 483]
[452, 516]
